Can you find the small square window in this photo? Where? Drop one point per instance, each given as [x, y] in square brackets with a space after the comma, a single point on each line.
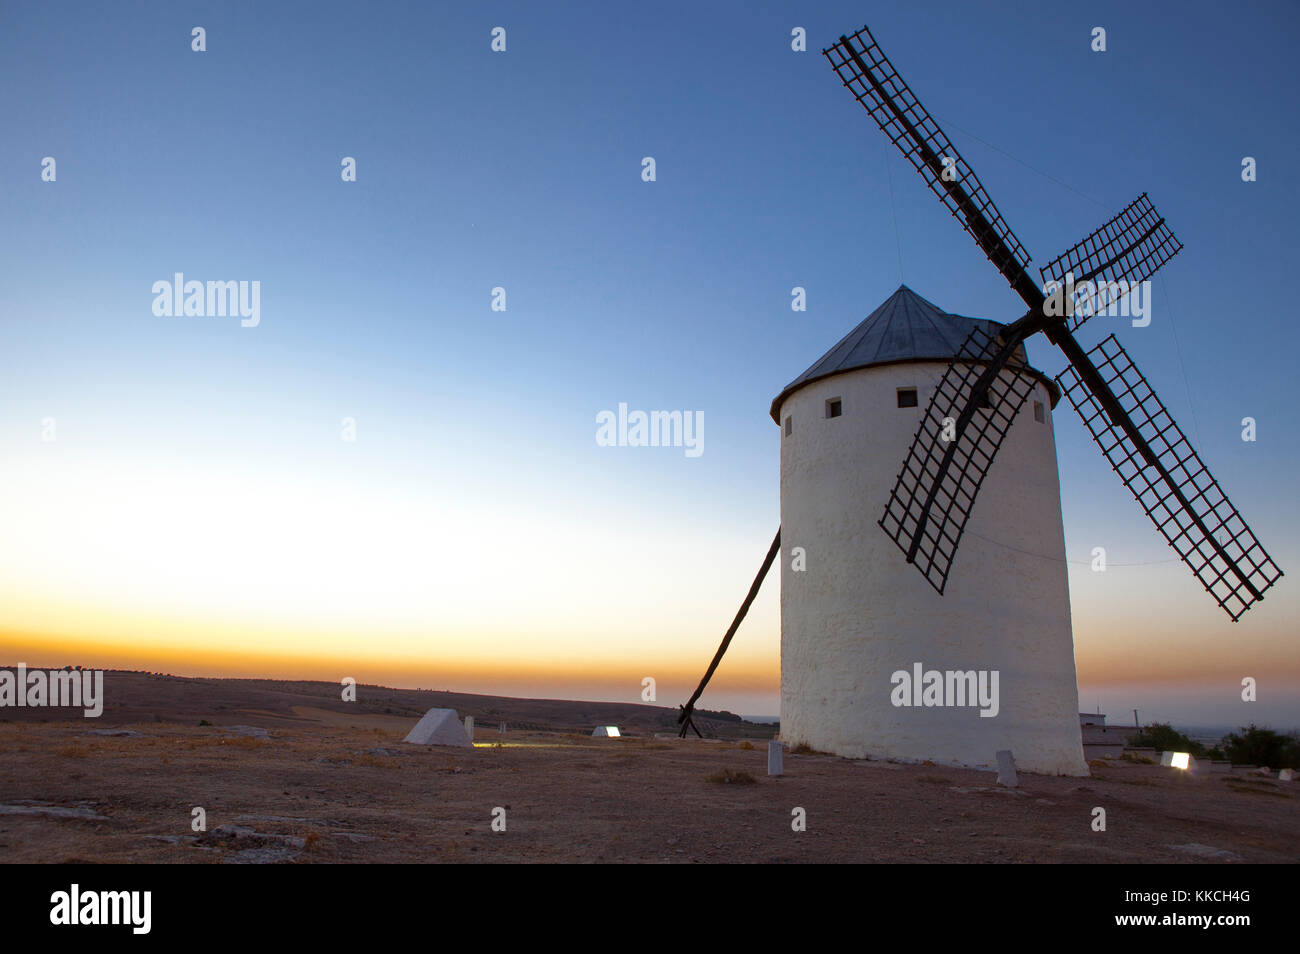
[834, 408]
[907, 397]
[1039, 414]
[789, 426]
[986, 402]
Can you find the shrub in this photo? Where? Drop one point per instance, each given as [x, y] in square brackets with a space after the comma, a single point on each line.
[803, 748]
[1165, 738]
[728, 777]
[1256, 746]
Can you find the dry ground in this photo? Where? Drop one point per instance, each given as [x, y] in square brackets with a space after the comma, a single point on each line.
[331, 787]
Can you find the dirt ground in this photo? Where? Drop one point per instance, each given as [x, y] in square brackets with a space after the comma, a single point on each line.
[326, 787]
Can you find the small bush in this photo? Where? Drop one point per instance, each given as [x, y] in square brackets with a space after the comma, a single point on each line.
[1133, 757]
[746, 745]
[1165, 738]
[728, 777]
[204, 722]
[803, 748]
[1256, 746]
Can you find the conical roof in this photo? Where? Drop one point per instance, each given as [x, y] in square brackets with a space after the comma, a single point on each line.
[906, 327]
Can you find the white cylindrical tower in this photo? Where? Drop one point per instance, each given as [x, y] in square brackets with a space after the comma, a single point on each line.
[855, 614]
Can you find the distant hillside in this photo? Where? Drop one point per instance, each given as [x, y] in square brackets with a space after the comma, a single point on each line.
[148, 697]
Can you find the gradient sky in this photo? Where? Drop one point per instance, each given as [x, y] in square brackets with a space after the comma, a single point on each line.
[198, 511]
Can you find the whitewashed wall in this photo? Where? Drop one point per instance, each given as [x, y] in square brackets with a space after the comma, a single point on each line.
[859, 612]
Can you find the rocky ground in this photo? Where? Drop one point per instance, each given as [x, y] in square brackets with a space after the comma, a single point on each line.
[304, 783]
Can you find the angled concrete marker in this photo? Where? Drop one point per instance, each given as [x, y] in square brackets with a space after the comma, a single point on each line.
[1007, 769]
[775, 758]
[469, 727]
[1286, 775]
[439, 727]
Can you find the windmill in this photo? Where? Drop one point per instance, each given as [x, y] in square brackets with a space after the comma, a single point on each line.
[987, 381]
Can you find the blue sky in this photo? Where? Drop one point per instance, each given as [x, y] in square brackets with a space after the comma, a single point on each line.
[522, 170]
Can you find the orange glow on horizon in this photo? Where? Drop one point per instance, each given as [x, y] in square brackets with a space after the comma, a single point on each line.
[392, 668]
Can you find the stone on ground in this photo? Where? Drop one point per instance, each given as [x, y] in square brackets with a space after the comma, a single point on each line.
[439, 727]
[1007, 769]
[775, 757]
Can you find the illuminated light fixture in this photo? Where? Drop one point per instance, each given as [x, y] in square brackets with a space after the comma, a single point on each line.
[1179, 760]
[609, 731]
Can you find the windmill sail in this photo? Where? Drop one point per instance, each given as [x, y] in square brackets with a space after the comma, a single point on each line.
[867, 73]
[1124, 252]
[940, 478]
[964, 425]
[1167, 477]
